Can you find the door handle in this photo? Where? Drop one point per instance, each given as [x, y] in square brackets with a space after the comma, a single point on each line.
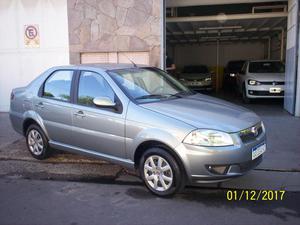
[79, 113]
[40, 105]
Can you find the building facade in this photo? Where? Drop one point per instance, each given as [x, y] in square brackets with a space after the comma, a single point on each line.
[103, 30]
[73, 32]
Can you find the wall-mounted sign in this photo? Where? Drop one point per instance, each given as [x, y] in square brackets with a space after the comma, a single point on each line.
[32, 36]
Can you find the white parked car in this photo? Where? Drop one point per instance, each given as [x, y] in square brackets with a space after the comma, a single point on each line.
[261, 79]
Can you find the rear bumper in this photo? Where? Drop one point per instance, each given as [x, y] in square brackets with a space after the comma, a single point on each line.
[16, 120]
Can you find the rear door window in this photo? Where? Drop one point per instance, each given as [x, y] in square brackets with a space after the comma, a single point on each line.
[58, 85]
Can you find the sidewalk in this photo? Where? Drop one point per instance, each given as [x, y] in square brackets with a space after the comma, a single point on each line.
[279, 170]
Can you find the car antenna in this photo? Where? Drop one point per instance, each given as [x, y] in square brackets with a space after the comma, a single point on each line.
[133, 63]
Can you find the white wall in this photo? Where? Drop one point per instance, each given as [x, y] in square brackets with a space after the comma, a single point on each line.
[207, 53]
[19, 65]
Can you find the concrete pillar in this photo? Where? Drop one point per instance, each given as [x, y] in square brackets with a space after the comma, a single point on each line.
[292, 83]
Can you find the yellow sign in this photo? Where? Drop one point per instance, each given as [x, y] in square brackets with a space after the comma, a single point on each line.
[32, 36]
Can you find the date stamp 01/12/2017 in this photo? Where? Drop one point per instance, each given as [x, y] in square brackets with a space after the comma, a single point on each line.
[255, 195]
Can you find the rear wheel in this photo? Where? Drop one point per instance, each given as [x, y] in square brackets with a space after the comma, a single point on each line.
[160, 172]
[37, 142]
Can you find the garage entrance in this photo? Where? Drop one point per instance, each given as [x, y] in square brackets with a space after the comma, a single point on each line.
[217, 39]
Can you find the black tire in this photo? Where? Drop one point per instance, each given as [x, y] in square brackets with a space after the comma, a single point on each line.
[44, 151]
[244, 95]
[178, 179]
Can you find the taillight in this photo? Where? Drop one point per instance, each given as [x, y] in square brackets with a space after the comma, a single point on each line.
[12, 96]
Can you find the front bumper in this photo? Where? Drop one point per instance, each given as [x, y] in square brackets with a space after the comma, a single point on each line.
[199, 85]
[263, 91]
[237, 159]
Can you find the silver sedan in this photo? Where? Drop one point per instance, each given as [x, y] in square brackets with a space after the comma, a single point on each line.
[141, 118]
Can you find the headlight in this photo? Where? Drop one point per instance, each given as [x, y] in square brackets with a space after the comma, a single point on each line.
[208, 138]
[208, 79]
[253, 82]
[232, 74]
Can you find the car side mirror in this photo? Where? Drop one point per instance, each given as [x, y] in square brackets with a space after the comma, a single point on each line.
[104, 102]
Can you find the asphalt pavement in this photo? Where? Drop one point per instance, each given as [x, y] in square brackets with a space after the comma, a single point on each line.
[38, 202]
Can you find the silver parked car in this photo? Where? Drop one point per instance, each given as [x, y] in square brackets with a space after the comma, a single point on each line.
[196, 77]
[261, 79]
[141, 118]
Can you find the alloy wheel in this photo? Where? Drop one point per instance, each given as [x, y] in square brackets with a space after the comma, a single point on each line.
[35, 142]
[158, 173]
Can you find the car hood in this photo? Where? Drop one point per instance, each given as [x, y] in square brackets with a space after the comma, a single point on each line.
[267, 76]
[203, 111]
[194, 76]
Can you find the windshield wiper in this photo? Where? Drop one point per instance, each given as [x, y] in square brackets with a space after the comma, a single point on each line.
[181, 94]
[150, 96]
[154, 96]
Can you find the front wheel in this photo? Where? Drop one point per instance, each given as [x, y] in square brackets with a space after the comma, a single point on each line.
[161, 173]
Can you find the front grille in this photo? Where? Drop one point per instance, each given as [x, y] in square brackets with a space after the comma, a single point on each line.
[272, 82]
[265, 93]
[251, 133]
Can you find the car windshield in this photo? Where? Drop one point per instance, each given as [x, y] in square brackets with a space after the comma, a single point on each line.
[266, 67]
[195, 69]
[235, 66]
[148, 84]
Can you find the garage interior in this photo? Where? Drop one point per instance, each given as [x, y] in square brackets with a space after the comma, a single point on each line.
[213, 35]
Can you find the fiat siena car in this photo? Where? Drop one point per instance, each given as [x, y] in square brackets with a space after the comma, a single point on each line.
[261, 79]
[141, 118]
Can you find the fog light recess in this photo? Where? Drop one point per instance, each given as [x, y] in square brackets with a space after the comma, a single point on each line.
[220, 170]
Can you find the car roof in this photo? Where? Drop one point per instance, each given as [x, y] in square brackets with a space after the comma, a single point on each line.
[111, 66]
[102, 66]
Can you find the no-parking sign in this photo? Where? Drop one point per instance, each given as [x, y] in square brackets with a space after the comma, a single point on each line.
[32, 36]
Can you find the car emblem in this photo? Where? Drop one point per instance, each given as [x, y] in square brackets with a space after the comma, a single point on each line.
[254, 131]
[274, 83]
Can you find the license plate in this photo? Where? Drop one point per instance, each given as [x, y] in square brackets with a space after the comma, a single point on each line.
[195, 83]
[258, 150]
[275, 90]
